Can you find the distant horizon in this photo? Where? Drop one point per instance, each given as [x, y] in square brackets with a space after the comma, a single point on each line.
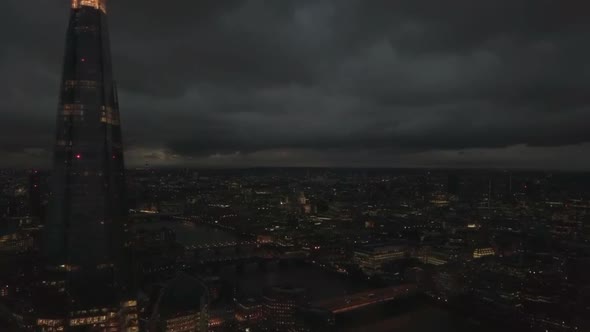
[466, 159]
[340, 168]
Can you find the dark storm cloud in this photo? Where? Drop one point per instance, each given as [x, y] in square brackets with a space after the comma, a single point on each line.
[321, 82]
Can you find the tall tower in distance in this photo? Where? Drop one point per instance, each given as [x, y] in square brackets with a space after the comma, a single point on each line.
[87, 212]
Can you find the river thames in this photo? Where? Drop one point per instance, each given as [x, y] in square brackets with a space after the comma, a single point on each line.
[251, 280]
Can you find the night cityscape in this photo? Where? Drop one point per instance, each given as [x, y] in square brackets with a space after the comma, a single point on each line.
[295, 166]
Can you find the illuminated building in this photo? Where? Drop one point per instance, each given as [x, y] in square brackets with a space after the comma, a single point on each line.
[372, 258]
[428, 255]
[216, 323]
[249, 314]
[87, 209]
[50, 324]
[14, 241]
[4, 291]
[302, 199]
[440, 200]
[264, 239]
[96, 4]
[83, 238]
[280, 306]
[16, 235]
[483, 252]
[183, 306]
[119, 317]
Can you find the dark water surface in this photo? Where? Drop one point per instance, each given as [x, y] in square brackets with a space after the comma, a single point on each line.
[250, 280]
[188, 234]
[410, 316]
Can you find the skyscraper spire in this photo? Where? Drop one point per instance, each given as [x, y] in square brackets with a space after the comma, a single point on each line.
[84, 231]
[87, 210]
[96, 4]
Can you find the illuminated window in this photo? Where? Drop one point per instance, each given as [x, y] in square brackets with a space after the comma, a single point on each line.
[483, 252]
[73, 109]
[131, 303]
[98, 4]
[110, 116]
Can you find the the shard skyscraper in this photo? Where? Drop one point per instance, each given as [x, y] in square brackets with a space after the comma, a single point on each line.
[84, 230]
[83, 285]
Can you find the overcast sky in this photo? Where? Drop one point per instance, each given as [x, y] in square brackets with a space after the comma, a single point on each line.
[394, 83]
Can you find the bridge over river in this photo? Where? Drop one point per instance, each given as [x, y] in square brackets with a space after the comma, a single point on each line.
[364, 299]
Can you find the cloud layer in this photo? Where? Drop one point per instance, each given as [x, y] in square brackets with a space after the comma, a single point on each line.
[324, 82]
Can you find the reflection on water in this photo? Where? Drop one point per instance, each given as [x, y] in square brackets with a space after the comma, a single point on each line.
[409, 316]
[413, 315]
[250, 280]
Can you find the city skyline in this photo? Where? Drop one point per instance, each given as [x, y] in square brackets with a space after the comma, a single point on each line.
[248, 83]
[295, 166]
